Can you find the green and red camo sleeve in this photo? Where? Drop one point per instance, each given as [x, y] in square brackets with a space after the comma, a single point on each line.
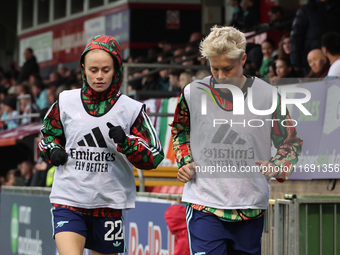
[52, 133]
[142, 147]
[180, 131]
[286, 141]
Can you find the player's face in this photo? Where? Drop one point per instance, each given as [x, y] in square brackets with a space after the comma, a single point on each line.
[98, 69]
[223, 68]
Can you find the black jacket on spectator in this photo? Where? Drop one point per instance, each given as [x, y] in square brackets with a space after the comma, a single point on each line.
[310, 23]
[251, 18]
[30, 67]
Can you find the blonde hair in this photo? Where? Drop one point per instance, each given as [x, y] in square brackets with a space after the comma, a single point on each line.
[224, 40]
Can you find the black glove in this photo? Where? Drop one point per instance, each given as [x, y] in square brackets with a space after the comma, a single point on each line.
[116, 133]
[58, 157]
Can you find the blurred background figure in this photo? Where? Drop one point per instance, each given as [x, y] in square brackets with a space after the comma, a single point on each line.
[278, 24]
[284, 47]
[318, 64]
[174, 80]
[268, 49]
[195, 38]
[12, 178]
[236, 20]
[30, 66]
[254, 59]
[9, 106]
[200, 74]
[26, 171]
[184, 79]
[311, 21]
[331, 48]
[251, 15]
[27, 103]
[176, 220]
[285, 72]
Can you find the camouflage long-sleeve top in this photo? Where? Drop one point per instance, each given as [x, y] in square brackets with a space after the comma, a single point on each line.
[141, 146]
[285, 140]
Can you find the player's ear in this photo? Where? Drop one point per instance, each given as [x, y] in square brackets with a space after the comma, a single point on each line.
[83, 68]
[244, 58]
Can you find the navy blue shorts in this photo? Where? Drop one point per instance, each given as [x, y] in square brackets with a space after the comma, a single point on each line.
[103, 234]
[208, 234]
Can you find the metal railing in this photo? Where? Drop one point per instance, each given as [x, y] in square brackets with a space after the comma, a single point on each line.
[28, 116]
[307, 226]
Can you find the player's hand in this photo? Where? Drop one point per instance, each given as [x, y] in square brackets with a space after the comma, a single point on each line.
[58, 157]
[116, 133]
[267, 168]
[185, 173]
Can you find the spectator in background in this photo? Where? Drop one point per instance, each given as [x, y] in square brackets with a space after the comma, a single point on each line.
[67, 76]
[165, 45]
[285, 72]
[268, 48]
[13, 70]
[174, 80]
[254, 59]
[184, 79]
[30, 66]
[134, 82]
[318, 63]
[26, 171]
[178, 54]
[34, 78]
[54, 78]
[78, 76]
[331, 48]
[13, 178]
[284, 47]
[163, 80]
[153, 53]
[200, 74]
[190, 59]
[275, 14]
[176, 221]
[27, 103]
[272, 75]
[311, 21]
[150, 81]
[51, 95]
[3, 93]
[8, 111]
[277, 22]
[191, 47]
[251, 15]
[2, 74]
[39, 92]
[195, 38]
[236, 20]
